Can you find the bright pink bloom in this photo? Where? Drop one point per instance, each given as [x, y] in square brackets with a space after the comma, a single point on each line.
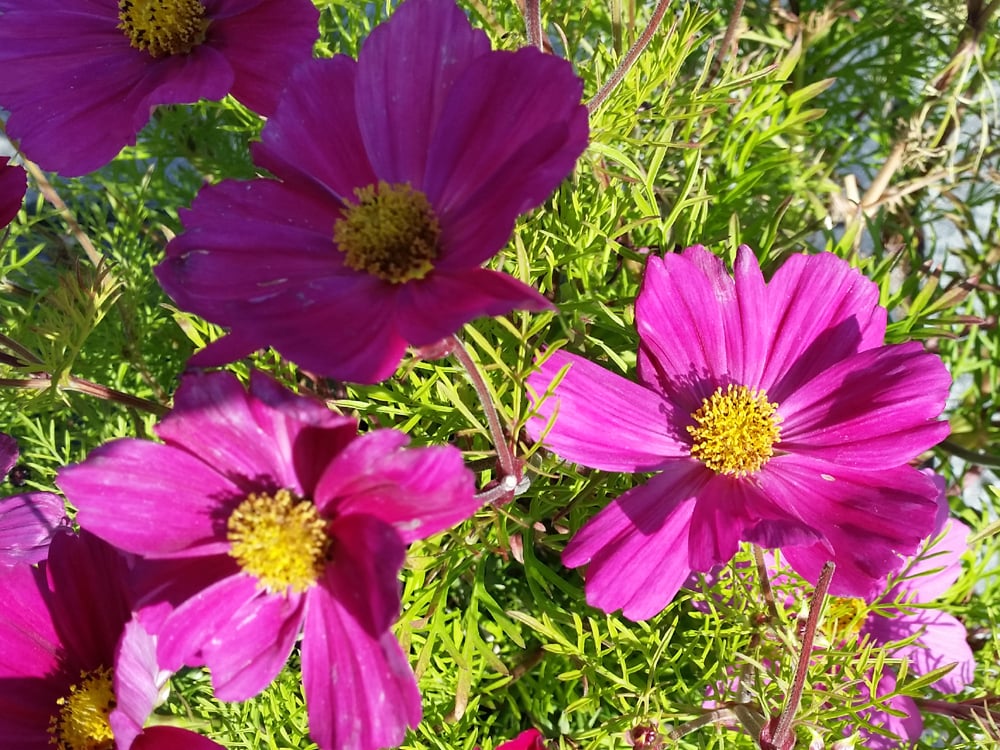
[65, 633]
[530, 739]
[80, 76]
[28, 520]
[398, 176]
[268, 515]
[942, 638]
[13, 183]
[773, 413]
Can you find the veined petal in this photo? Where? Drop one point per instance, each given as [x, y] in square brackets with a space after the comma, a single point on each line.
[27, 524]
[907, 728]
[638, 546]
[138, 680]
[935, 569]
[942, 641]
[603, 420]
[171, 738]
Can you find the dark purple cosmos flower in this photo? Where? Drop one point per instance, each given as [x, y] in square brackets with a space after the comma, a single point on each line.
[773, 413]
[398, 176]
[269, 516]
[28, 520]
[76, 672]
[80, 76]
[13, 183]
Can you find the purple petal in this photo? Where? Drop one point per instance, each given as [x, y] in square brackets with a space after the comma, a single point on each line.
[137, 683]
[868, 520]
[821, 311]
[511, 130]
[27, 524]
[241, 632]
[419, 491]
[438, 306]
[263, 41]
[150, 499]
[603, 420]
[530, 739]
[907, 728]
[942, 641]
[934, 570]
[29, 643]
[360, 691]
[874, 410]
[637, 546]
[314, 141]
[13, 183]
[406, 69]
[171, 738]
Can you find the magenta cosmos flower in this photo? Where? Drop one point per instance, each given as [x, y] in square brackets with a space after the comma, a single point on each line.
[270, 516]
[13, 183]
[80, 76]
[28, 520]
[773, 413]
[76, 672]
[398, 176]
[530, 739]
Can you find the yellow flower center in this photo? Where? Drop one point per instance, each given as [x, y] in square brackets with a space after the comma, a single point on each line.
[163, 27]
[82, 721]
[391, 232]
[279, 539]
[735, 431]
[844, 617]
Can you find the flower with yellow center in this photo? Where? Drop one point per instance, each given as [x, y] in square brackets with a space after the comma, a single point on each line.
[82, 722]
[391, 232]
[735, 431]
[163, 27]
[279, 539]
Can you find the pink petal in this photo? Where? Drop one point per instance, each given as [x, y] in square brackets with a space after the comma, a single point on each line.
[603, 420]
[360, 691]
[419, 491]
[406, 69]
[873, 410]
[907, 728]
[530, 739]
[148, 498]
[438, 306]
[13, 183]
[934, 570]
[172, 738]
[510, 131]
[314, 141]
[242, 633]
[868, 520]
[263, 41]
[29, 643]
[27, 524]
[137, 684]
[821, 311]
[637, 547]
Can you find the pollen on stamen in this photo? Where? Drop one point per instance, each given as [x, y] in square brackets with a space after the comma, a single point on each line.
[844, 617]
[81, 721]
[163, 27]
[735, 431]
[391, 232]
[279, 539]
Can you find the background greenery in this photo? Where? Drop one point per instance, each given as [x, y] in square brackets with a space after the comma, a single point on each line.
[863, 128]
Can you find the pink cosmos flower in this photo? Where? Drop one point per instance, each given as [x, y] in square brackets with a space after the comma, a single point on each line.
[13, 183]
[28, 520]
[81, 76]
[530, 739]
[941, 638]
[76, 672]
[773, 413]
[269, 516]
[397, 176]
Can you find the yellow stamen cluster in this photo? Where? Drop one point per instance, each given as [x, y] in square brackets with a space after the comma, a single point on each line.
[279, 539]
[844, 617]
[735, 430]
[82, 722]
[391, 232]
[163, 27]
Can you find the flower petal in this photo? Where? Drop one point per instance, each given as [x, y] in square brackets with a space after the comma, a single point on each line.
[171, 738]
[530, 739]
[241, 632]
[27, 524]
[137, 683]
[406, 68]
[874, 410]
[13, 183]
[935, 569]
[150, 499]
[602, 420]
[868, 520]
[637, 546]
[907, 728]
[419, 491]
